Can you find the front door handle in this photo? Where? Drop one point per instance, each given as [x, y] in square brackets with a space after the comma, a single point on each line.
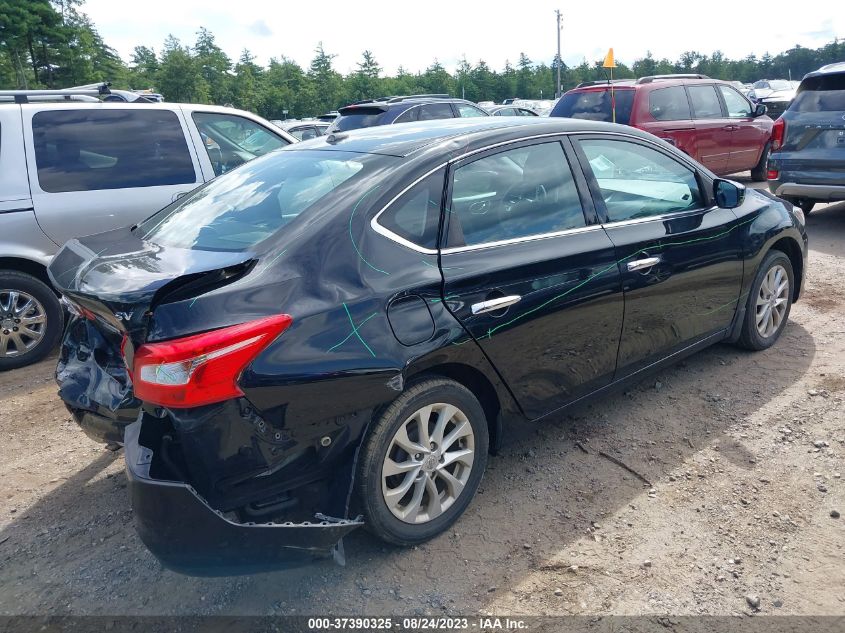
[642, 264]
[491, 305]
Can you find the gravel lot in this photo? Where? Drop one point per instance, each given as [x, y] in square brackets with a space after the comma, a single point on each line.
[744, 453]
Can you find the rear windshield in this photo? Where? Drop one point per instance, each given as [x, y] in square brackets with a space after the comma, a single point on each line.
[821, 94]
[241, 208]
[596, 105]
[367, 118]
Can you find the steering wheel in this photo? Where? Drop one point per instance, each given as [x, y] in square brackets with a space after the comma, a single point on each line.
[523, 193]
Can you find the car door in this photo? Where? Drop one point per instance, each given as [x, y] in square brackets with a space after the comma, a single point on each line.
[712, 128]
[530, 274]
[680, 256]
[749, 135]
[672, 118]
[96, 167]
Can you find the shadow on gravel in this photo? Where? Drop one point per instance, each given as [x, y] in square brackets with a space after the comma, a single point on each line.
[826, 229]
[538, 497]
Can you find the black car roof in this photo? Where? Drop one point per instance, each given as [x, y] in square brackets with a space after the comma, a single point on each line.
[406, 138]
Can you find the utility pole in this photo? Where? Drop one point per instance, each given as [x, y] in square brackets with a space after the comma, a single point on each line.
[559, 27]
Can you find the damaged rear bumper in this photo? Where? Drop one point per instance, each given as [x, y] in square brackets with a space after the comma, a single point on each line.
[189, 536]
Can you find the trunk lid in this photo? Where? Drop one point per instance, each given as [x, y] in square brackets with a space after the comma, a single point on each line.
[121, 278]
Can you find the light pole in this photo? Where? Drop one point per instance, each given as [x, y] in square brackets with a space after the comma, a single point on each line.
[559, 27]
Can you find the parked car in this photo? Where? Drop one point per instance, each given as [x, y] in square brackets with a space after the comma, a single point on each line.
[704, 118]
[510, 111]
[70, 168]
[389, 110]
[807, 164]
[304, 129]
[324, 339]
[777, 101]
[764, 87]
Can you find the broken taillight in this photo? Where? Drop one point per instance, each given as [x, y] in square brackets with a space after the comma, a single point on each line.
[203, 368]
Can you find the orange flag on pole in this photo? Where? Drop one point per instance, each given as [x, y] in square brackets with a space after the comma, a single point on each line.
[611, 64]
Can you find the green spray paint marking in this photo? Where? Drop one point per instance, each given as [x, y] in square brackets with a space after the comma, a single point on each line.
[351, 237]
[446, 298]
[430, 265]
[354, 331]
[273, 261]
[492, 331]
[727, 305]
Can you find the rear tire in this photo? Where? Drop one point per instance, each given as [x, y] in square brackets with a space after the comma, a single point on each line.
[769, 302]
[31, 319]
[758, 172]
[412, 483]
[806, 205]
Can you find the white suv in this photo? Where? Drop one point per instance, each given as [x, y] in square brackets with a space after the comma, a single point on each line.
[73, 168]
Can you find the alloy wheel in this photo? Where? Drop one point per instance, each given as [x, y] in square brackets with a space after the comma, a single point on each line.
[772, 301]
[428, 463]
[23, 322]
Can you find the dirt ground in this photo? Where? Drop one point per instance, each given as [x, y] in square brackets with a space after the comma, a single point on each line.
[744, 453]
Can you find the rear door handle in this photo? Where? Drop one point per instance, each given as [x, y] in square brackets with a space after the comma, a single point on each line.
[641, 264]
[491, 305]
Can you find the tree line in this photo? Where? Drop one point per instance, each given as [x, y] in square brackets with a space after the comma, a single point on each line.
[53, 44]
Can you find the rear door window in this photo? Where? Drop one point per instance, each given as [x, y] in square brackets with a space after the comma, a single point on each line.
[596, 105]
[432, 111]
[513, 194]
[87, 150]
[705, 102]
[821, 94]
[408, 116]
[669, 104]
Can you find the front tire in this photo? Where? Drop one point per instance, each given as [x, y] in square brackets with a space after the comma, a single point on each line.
[422, 462]
[769, 302]
[31, 320]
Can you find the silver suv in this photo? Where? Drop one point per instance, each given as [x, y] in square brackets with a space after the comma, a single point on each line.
[75, 167]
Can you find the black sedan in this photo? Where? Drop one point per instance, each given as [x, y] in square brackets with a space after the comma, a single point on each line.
[336, 334]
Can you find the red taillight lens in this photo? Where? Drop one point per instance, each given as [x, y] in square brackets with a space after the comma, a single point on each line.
[778, 132]
[772, 174]
[204, 368]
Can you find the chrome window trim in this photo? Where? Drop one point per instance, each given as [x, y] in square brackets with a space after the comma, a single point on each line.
[520, 240]
[384, 232]
[665, 216]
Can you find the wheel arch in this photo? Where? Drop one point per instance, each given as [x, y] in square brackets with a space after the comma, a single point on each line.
[480, 386]
[21, 265]
[789, 247]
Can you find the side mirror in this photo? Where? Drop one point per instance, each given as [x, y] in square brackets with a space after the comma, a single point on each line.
[760, 109]
[728, 194]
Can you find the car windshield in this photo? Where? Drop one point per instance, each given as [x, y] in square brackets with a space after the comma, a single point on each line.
[596, 105]
[821, 94]
[244, 207]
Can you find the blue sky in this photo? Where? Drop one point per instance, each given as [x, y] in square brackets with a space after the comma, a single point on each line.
[413, 34]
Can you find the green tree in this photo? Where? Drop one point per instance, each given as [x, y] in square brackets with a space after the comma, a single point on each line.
[179, 76]
[214, 66]
[365, 82]
[143, 72]
[326, 81]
